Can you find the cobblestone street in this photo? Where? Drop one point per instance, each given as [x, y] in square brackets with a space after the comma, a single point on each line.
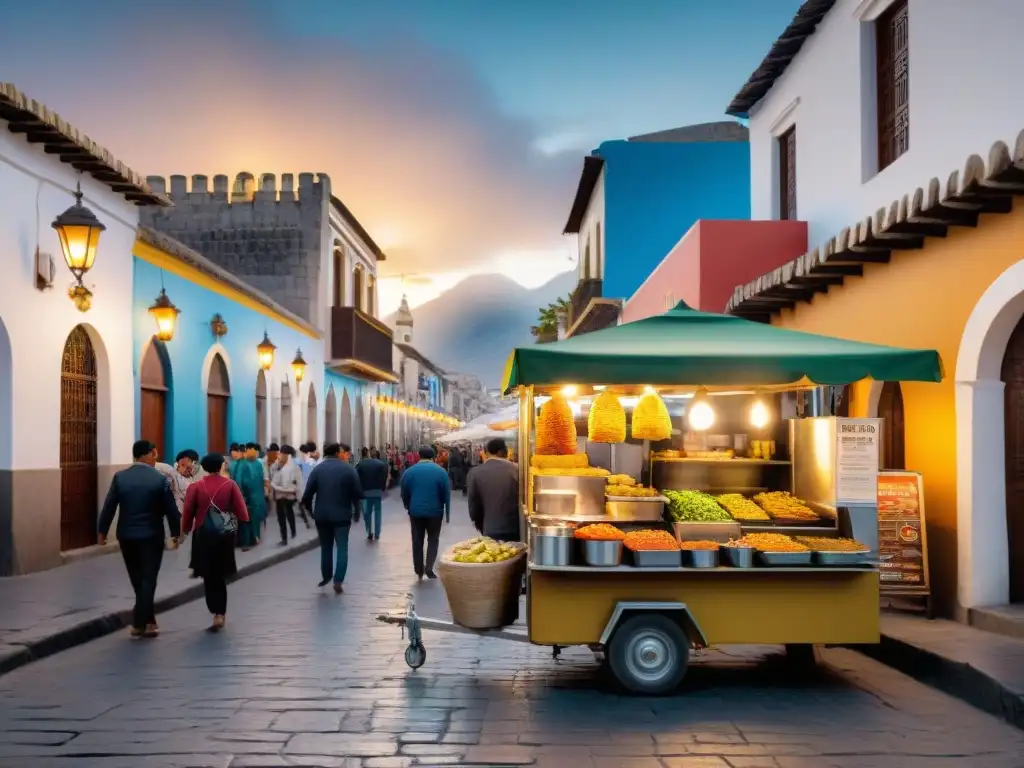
[304, 678]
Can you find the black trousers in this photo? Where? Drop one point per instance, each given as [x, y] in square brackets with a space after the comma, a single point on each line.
[142, 559]
[286, 517]
[216, 590]
[429, 527]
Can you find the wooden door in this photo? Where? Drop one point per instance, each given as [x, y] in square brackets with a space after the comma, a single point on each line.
[1013, 377]
[218, 393]
[890, 410]
[78, 450]
[153, 382]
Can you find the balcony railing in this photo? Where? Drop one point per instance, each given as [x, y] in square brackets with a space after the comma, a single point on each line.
[361, 345]
[586, 289]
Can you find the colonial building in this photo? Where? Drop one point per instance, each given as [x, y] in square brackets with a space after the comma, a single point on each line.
[906, 168]
[637, 197]
[66, 384]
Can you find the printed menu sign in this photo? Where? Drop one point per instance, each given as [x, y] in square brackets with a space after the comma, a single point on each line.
[857, 460]
[902, 547]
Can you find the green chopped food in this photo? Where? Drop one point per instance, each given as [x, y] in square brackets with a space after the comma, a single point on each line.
[694, 507]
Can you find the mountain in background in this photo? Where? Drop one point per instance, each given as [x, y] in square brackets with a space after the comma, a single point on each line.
[473, 327]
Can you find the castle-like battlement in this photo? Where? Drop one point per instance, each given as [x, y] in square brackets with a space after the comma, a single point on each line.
[245, 189]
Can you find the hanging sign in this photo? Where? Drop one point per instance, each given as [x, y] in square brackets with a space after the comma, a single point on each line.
[857, 442]
[902, 544]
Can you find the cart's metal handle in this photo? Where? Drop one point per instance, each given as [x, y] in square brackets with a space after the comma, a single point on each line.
[412, 621]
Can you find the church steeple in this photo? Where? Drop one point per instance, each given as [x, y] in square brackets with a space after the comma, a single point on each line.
[403, 322]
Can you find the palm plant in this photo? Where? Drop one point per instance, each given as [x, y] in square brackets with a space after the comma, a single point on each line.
[547, 318]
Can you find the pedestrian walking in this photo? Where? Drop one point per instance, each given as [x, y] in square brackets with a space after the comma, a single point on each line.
[332, 491]
[144, 500]
[494, 494]
[373, 476]
[427, 496]
[248, 476]
[306, 461]
[212, 505]
[184, 472]
[286, 485]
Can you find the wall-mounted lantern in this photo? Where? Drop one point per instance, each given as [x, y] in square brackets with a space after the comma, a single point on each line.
[299, 367]
[166, 316]
[79, 232]
[265, 351]
[218, 327]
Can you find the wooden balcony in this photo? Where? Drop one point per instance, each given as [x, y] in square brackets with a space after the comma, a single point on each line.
[589, 311]
[361, 345]
[586, 289]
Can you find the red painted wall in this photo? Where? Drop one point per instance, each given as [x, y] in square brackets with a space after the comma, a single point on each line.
[711, 260]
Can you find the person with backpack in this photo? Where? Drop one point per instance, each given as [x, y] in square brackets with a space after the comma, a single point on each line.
[213, 509]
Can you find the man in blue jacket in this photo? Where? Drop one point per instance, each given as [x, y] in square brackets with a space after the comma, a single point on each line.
[427, 495]
[333, 492]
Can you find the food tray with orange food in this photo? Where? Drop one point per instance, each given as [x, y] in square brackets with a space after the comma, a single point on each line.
[653, 548]
[785, 509]
[775, 549]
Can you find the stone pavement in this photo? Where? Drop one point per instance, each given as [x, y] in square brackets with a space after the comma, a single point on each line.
[302, 677]
[43, 613]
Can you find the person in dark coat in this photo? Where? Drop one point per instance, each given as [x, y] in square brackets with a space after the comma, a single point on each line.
[494, 494]
[373, 476]
[332, 491]
[456, 469]
[213, 555]
[427, 495]
[144, 499]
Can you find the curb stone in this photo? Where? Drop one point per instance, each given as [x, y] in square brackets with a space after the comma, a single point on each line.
[955, 678]
[15, 656]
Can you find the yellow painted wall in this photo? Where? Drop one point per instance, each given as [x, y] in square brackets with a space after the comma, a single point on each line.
[922, 299]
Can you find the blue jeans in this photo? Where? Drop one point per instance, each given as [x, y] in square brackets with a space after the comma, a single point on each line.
[372, 506]
[333, 535]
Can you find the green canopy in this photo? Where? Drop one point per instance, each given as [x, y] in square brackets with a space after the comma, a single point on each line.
[685, 347]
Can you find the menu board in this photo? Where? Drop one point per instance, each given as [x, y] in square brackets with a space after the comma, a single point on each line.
[902, 545]
[857, 460]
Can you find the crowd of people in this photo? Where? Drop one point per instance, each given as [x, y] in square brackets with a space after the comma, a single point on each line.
[224, 503]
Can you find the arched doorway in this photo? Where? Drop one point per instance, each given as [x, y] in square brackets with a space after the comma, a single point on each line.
[311, 430]
[346, 418]
[261, 408]
[78, 445]
[218, 394]
[154, 382]
[890, 410]
[359, 428]
[331, 417]
[1013, 416]
[286, 413]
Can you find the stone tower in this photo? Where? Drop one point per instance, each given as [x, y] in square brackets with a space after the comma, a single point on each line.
[403, 323]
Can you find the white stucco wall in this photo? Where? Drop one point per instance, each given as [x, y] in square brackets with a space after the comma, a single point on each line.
[592, 232]
[356, 253]
[34, 189]
[962, 55]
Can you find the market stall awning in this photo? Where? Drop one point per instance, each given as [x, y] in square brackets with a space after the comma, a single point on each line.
[687, 348]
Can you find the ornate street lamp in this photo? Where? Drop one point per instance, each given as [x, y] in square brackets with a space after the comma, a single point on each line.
[79, 232]
[166, 316]
[299, 366]
[265, 351]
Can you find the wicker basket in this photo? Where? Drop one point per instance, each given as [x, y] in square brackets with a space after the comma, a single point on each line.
[483, 595]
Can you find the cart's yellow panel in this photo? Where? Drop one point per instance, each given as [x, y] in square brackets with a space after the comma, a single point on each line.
[730, 606]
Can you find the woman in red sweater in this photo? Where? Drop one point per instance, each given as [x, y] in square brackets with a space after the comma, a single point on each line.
[213, 554]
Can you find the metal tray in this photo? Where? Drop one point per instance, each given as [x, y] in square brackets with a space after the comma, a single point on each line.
[601, 554]
[841, 558]
[700, 558]
[784, 558]
[630, 508]
[721, 532]
[658, 558]
[738, 557]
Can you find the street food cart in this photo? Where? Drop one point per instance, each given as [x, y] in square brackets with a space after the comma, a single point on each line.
[725, 500]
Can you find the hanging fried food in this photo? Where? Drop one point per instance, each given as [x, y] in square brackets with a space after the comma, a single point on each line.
[556, 429]
[651, 420]
[607, 420]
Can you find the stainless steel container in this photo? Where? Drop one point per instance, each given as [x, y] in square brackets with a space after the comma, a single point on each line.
[555, 503]
[646, 510]
[782, 559]
[589, 491]
[721, 532]
[602, 554]
[738, 557]
[841, 558]
[657, 558]
[700, 558]
[551, 545]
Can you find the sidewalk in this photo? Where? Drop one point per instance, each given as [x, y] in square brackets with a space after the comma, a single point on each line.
[47, 612]
[979, 667]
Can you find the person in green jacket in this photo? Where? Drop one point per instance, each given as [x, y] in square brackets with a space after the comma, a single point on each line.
[248, 475]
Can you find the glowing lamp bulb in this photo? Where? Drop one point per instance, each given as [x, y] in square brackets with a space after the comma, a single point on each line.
[569, 390]
[701, 416]
[759, 415]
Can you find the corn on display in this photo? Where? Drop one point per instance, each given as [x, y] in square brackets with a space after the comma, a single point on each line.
[556, 430]
[573, 472]
[607, 420]
[571, 461]
[650, 419]
[621, 480]
[629, 491]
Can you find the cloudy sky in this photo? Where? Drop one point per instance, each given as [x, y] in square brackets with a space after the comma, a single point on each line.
[454, 129]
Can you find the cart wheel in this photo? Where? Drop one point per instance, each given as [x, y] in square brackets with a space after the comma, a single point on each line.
[415, 655]
[648, 654]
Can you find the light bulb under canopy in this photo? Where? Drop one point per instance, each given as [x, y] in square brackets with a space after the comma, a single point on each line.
[700, 414]
[760, 416]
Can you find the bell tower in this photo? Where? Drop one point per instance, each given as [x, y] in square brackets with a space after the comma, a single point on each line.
[403, 323]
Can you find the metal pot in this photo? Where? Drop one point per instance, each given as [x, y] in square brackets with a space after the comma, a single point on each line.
[602, 554]
[738, 557]
[551, 545]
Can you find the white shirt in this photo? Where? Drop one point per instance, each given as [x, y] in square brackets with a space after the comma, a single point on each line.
[287, 480]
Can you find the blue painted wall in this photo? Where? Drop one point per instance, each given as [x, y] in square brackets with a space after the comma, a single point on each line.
[654, 193]
[187, 351]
